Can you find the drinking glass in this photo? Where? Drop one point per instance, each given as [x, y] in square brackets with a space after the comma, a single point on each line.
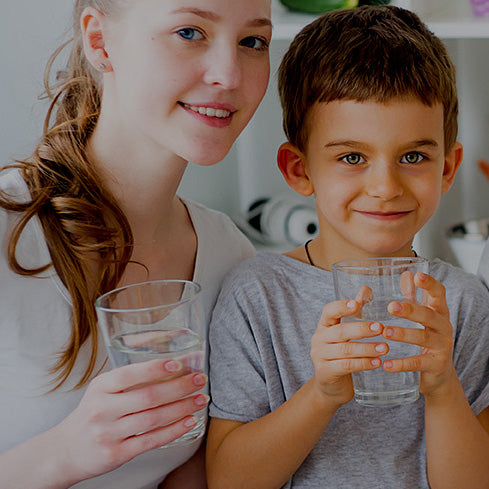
[156, 320]
[374, 283]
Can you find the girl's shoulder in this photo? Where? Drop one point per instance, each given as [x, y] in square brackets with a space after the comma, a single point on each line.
[217, 229]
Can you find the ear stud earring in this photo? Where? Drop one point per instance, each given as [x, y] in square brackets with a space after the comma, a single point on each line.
[102, 67]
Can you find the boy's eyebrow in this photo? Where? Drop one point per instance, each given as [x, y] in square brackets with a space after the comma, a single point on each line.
[207, 14]
[424, 142]
[357, 144]
[349, 143]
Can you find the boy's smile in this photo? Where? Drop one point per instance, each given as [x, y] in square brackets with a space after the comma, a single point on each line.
[377, 171]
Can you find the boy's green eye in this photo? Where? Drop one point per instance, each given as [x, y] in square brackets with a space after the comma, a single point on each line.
[353, 159]
[412, 157]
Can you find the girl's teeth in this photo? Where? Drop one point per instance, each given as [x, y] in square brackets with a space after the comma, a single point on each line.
[209, 112]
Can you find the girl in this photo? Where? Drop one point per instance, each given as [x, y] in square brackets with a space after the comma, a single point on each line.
[150, 85]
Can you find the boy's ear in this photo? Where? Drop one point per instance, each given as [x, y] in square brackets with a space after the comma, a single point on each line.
[291, 162]
[452, 164]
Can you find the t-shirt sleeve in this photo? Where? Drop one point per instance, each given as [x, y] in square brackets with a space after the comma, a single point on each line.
[471, 343]
[237, 380]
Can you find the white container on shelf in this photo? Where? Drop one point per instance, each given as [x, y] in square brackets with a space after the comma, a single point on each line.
[467, 240]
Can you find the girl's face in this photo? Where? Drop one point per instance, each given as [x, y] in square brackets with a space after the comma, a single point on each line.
[187, 74]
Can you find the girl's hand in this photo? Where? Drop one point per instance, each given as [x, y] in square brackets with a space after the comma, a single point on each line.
[335, 356]
[126, 412]
[435, 361]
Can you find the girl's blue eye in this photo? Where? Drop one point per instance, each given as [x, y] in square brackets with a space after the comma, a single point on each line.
[353, 159]
[412, 157]
[254, 43]
[190, 34]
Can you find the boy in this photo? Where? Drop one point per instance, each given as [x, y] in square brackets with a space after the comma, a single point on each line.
[370, 112]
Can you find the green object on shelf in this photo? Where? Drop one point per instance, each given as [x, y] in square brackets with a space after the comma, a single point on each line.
[318, 6]
[374, 2]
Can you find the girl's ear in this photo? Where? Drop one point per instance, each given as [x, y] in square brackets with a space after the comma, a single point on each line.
[452, 164]
[292, 163]
[91, 23]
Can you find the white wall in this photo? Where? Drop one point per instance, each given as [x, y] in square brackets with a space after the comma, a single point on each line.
[29, 32]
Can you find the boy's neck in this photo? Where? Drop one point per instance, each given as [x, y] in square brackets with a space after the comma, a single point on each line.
[319, 254]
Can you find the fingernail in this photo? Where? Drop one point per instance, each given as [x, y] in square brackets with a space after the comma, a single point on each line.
[380, 347]
[396, 307]
[202, 400]
[375, 327]
[422, 276]
[388, 364]
[200, 379]
[388, 332]
[173, 366]
[189, 422]
[375, 362]
[351, 305]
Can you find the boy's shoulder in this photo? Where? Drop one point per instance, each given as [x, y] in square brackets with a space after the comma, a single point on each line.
[267, 269]
[455, 279]
[466, 295]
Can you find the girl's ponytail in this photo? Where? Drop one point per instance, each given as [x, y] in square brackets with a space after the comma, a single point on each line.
[88, 236]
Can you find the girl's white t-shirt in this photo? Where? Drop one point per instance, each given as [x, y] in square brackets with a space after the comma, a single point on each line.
[35, 323]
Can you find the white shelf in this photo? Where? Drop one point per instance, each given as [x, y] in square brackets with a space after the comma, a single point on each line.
[287, 24]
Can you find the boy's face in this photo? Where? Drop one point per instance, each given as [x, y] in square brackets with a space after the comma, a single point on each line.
[377, 172]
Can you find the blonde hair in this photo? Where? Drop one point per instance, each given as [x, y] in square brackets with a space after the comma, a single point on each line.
[81, 220]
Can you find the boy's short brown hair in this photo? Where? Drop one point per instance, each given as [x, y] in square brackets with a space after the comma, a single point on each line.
[364, 53]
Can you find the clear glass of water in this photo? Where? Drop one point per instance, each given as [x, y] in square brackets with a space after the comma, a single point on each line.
[160, 319]
[374, 283]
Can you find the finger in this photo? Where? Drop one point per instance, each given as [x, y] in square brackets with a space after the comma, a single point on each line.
[345, 366]
[160, 437]
[129, 376]
[347, 331]
[414, 336]
[435, 298]
[352, 349]
[408, 289]
[334, 311]
[152, 419]
[152, 395]
[429, 318]
[409, 364]
[364, 295]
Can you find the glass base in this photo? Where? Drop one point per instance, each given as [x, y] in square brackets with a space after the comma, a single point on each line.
[386, 399]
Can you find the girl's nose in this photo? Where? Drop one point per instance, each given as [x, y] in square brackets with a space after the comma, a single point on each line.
[384, 182]
[223, 68]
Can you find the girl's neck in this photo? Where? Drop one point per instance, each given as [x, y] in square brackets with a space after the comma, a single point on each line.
[142, 178]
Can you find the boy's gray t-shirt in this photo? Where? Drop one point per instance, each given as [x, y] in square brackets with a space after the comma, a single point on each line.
[260, 337]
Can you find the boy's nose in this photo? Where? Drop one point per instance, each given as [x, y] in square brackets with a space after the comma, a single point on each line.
[384, 183]
[223, 68]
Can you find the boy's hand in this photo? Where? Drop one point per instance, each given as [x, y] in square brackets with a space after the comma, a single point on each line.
[435, 361]
[335, 356]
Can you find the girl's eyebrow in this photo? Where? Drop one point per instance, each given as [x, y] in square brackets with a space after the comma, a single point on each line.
[207, 14]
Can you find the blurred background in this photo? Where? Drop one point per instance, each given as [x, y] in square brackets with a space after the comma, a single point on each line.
[247, 185]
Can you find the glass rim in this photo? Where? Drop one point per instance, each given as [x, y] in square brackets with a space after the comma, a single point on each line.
[355, 264]
[100, 307]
